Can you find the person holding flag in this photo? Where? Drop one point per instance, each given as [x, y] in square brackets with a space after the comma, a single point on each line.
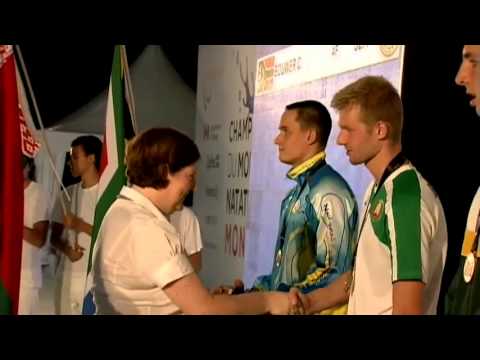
[75, 241]
[23, 204]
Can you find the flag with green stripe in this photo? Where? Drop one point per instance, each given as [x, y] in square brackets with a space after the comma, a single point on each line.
[118, 129]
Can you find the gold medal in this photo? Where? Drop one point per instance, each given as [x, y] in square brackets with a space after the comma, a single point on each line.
[469, 267]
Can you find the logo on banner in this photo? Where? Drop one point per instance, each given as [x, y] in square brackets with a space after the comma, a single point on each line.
[210, 132]
[270, 68]
[212, 191]
[30, 146]
[207, 99]
[265, 74]
[288, 67]
[209, 245]
[388, 50]
[247, 80]
[5, 52]
[211, 220]
[213, 161]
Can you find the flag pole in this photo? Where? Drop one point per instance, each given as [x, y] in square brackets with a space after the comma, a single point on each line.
[42, 132]
[129, 90]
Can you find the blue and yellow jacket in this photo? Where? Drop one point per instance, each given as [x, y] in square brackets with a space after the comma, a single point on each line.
[317, 230]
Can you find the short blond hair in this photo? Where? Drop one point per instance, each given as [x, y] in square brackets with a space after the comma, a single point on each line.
[378, 100]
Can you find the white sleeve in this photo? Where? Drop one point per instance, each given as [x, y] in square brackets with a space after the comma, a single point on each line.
[193, 235]
[188, 227]
[41, 207]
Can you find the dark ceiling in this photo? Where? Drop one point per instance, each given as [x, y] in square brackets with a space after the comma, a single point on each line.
[66, 79]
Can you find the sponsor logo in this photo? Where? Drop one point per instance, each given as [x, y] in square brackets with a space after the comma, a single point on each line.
[213, 161]
[265, 74]
[209, 245]
[388, 50]
[211, 220]
[212, 191]
[211, 132]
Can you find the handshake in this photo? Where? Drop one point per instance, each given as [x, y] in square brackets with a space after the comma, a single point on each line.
[293, 302]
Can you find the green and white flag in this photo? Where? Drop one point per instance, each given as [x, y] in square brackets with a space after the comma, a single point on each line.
[118, 129]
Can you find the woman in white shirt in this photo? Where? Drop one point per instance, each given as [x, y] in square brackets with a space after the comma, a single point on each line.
[140, 265]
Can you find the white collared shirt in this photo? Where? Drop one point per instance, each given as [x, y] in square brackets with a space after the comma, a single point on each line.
[138, 253]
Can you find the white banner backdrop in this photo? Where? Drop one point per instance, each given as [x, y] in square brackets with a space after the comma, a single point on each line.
[226, 80]
[241, 181]
[286, 74]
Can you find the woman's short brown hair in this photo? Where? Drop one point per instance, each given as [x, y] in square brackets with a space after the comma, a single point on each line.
[155, 153]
